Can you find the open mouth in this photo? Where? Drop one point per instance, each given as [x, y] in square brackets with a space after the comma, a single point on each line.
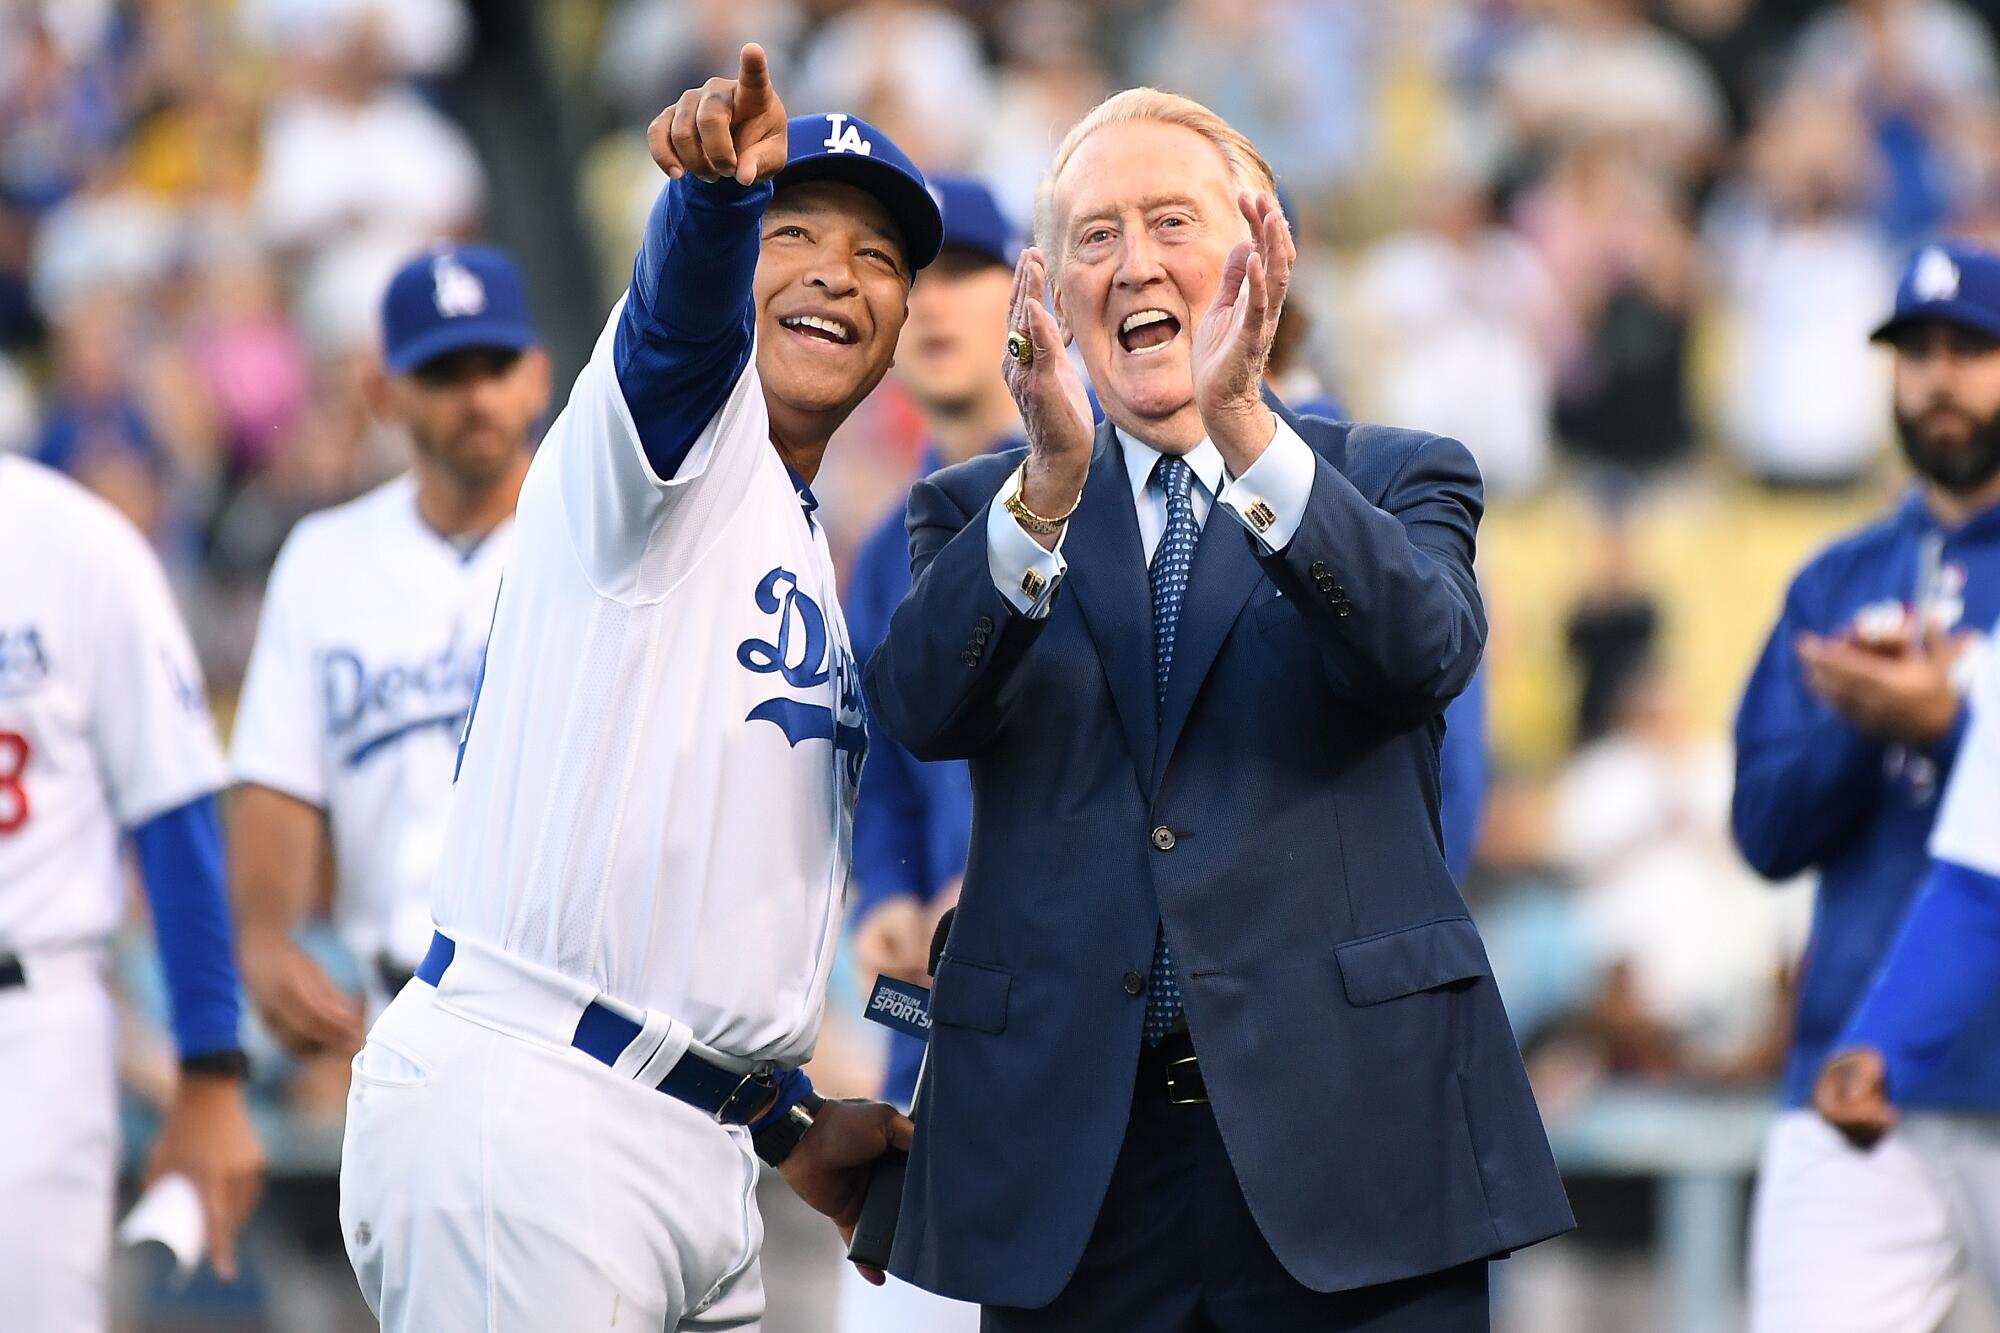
[1147, 331]
[821, 328]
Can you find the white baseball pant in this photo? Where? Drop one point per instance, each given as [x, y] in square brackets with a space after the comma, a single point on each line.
[494, 1177]
[58, 1143]
[1878, 1241]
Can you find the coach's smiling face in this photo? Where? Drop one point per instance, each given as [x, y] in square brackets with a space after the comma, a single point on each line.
[1145, 216]
[832, 291]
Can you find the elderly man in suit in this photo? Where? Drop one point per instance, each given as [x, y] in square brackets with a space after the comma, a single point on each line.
[1215, 1043]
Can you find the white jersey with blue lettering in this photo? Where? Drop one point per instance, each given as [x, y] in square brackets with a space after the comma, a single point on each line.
[103, 720]
[656, 791]
[357, 694]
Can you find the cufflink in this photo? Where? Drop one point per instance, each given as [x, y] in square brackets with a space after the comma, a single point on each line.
[1260, 516]
[1032, 584]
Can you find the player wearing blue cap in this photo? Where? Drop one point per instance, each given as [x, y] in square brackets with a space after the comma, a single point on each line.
[373, 625]
[1854, 720]
[638, 898]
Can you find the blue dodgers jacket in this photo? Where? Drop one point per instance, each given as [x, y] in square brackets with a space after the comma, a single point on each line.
[1814, 793]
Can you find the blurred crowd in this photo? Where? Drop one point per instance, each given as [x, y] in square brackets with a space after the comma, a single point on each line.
[1629, 252]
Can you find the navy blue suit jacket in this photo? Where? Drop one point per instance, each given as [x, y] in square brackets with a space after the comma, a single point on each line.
[1359, 1062]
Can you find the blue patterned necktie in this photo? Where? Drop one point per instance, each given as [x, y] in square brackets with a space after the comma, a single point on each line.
[1172, 560]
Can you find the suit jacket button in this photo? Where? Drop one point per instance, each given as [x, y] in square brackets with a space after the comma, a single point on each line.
[1163, 838]
[985, 625]
[970, 658]
[1326, 583]
[1317, 569]
[1134, 983]
[1343, 609]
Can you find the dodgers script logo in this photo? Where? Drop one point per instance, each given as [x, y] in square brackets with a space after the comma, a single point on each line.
[844, 138]
[800, 658]
[373, 706]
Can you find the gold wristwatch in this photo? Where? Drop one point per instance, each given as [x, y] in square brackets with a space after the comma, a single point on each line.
[1010, 500]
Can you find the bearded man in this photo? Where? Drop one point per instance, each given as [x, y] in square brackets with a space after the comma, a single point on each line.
[1847, 734]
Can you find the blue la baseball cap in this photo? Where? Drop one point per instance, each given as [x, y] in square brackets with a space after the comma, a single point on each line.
[839, 147]
[1954, 281]
[452, 297]
[973, 220]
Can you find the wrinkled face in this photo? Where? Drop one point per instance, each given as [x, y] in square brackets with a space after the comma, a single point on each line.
[1145, 217]
[1948, 403]
[958, 320]
[832, 290]
[470, 412]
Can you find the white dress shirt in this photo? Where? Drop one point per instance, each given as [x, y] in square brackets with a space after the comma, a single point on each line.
[1269, 499]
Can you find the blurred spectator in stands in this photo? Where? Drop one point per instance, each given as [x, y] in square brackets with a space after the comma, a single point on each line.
[61, 110]
[916, 70]
[1294, 75]
[1613, 234]
[1804, 275]
[1596, 70]
[1613, 632]
[347, 148]
[402, 39]
[1453, 327]
[1689, 947]
[652, 49]
[1047, 79]
[1742, 43]
[250, 363]
[96, 426]
[1925, 74]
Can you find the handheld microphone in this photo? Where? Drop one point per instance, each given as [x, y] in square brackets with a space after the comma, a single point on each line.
[875, 1229]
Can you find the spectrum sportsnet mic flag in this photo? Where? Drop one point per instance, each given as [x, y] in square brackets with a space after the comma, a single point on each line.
[902, 1005]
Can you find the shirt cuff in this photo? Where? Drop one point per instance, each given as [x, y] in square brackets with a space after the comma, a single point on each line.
[1270, 498]
[1025, 574]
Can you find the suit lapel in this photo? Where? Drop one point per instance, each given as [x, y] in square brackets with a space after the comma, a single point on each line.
[1107, 574]
[1224, 575]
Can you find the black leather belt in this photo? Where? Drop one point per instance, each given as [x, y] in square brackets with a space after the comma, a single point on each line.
[11, 974]
[1171, 1070]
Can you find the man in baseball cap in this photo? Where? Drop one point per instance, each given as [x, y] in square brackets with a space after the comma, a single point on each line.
[371, 634]
[640, 882]
[1854, 721]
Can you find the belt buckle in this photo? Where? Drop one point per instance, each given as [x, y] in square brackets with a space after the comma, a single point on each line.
[1174, 1097]
[727, 1113]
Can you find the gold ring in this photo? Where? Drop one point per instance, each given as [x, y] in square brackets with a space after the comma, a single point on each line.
[1019, 347]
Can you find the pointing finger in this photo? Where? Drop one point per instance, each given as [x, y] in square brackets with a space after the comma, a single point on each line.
[753, 72]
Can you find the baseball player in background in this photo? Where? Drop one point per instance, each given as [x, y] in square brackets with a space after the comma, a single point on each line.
[913, 820]
[639, 894]
[373, 627]
[1847, 731]
[104, 735]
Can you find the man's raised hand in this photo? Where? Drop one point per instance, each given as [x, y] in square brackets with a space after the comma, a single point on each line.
[727, 127]
[1055, 407]
[1233, 342]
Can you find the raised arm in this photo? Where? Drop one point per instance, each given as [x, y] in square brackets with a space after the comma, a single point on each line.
[685, 332]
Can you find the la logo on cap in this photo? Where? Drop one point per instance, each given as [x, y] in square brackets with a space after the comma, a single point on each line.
[455, 289]
[1936, 277]
[844, 138]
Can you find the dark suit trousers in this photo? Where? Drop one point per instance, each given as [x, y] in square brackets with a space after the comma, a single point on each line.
[1175, 1250]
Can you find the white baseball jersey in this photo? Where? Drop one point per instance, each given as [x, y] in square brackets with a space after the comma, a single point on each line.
[657, 787]
[357, 693]
[103, 720]
[1966, 831]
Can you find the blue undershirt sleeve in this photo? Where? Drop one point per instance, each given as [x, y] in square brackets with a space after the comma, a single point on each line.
[180, 857]
[685, 333]
[1943, 969]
